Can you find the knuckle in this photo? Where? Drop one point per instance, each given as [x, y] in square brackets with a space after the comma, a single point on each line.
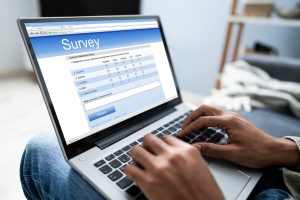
[192, 116]
[232, 118]
[182, 153]
[135, 152]
[191, 149]
[193, 126]
[173, 157]
[147, 181]
[189, 118]
[162, 168]
[233, 113]
[148, 138]
[204, 107]
[207, 149]
[132, 151]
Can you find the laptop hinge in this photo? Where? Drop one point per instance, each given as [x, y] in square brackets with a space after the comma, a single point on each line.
[124, 132]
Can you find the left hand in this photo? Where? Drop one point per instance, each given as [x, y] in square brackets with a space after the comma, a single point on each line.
[247, 145]
[170, 169]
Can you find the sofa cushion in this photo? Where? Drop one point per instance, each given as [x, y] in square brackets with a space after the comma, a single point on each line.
[274, 123]
[282, 68]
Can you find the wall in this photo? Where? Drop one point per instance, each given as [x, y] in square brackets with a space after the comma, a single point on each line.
[195, 32]
[11, 50]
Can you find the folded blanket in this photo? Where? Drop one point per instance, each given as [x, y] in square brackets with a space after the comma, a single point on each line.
[245, 86]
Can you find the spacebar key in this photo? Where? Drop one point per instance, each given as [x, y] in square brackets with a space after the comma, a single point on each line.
[125, 182]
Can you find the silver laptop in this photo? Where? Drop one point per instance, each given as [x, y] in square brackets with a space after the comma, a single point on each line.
[108, 81]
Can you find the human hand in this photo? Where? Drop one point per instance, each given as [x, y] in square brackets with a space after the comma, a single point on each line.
[170, 169]
[247, 145]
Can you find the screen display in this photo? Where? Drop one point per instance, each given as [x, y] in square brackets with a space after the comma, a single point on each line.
[99, 73]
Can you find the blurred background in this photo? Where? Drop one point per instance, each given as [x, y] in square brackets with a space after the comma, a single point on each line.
[195, 31]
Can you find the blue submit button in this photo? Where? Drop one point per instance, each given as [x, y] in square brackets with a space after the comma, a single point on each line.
[101, 113]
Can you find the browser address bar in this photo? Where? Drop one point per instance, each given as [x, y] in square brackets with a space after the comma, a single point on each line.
[115, 24]
[89, 28]
[112, 28]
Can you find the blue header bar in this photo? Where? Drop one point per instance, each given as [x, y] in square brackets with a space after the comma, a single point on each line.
[49, 46]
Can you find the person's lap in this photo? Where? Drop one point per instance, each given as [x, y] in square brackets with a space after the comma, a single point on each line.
[46, 175]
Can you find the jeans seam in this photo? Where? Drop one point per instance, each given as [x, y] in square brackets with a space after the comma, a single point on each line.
[26, 192]
[48, 195]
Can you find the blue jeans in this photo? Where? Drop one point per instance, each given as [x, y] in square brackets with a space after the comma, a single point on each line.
[46, 175]
[274, 194]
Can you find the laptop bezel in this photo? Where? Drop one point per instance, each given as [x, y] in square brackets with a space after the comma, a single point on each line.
[86, 143]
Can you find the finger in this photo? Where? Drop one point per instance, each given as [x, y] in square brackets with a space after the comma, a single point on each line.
[142, 157]
[154, 144]
[202, 122]
[203, 110]
[213, 150]
[172, 141]
[135, 174]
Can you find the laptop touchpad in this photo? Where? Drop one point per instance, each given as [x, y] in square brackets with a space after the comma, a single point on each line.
[230, 180]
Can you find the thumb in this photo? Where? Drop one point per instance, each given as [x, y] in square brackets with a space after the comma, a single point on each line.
[212, 150]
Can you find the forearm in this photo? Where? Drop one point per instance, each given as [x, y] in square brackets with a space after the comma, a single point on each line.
[285, 153]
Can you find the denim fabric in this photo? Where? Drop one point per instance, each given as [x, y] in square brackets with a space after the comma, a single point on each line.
[271, 179]
[46, 175]
[274, 194]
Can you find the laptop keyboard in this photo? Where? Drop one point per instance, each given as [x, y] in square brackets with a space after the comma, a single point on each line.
[113, 165]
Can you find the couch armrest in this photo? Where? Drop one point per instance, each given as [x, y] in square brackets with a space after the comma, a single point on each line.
[278, 124]
[285, 69]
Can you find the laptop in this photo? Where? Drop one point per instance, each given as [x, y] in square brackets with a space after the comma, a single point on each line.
[106, 82]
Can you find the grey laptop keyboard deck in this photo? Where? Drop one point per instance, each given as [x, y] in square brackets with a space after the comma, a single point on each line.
[113, 165]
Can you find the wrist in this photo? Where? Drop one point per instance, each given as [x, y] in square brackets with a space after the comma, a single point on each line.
[285, 153]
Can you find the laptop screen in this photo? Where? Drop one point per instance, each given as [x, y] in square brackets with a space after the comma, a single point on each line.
[100, 73]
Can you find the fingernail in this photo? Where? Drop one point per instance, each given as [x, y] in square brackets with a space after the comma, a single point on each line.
[128, 175]
[179, 132]
[149, 134]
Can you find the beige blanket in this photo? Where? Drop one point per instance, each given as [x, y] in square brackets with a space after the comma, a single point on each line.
[245, 86]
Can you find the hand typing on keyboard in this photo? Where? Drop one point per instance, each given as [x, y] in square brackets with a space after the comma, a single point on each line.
[170, 169]
[246, 145]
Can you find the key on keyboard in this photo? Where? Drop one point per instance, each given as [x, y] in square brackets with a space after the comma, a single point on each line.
[124, 183]
[116, 175]
[105, 169]
[124, 158]
[99, 163]
[115, 163]
[133, 190]
[110, 157]
[119, 152]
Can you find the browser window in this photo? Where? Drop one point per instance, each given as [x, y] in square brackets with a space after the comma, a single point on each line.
[99, 73]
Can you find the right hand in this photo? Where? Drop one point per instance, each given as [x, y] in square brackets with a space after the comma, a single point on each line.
[247, 145]
[170, 169]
